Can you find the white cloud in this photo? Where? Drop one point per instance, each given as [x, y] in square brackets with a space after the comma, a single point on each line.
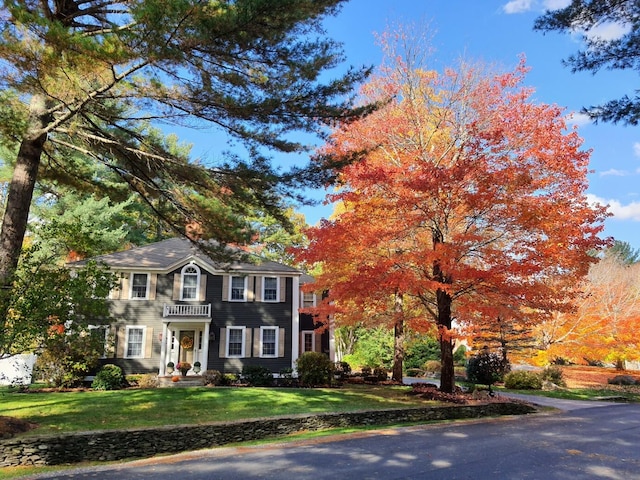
[521, 6]
[608, 31]
[517, 6]
[636, 149]
[630, 211]
[555, 4]
[614, 173]
[577, 118]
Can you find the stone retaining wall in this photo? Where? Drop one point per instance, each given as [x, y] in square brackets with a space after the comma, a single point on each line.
[147, 442]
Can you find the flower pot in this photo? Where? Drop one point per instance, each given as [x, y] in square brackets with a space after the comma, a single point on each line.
[169, 370]
[184, 372]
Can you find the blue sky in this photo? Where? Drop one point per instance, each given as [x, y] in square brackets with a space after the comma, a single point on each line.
[498, 32]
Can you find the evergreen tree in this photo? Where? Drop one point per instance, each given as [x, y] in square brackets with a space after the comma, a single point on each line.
[624, 252]
[89, 77]
[584, 16]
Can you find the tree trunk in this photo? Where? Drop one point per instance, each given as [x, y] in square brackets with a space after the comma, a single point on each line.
[447, 375]
[398, 337]
[14, 223]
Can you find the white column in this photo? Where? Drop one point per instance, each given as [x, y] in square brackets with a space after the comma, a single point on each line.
[332, 341]
[163, 350]
[204, 354]
[295, 322]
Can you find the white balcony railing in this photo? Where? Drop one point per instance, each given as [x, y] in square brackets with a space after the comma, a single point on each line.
[187, 310]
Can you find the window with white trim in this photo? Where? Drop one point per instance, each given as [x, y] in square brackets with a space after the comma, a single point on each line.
[308, 341]
[270, 289]
[135, 337]
[139, 286]
[268, 341]
[190, 282]
[238, 289]
[235, 342]
[308, 299]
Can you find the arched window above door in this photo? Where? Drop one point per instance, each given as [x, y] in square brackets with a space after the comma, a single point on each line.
[190, 284]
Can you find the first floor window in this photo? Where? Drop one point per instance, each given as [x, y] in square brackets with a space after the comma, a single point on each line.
[268, 341]
[235, 341]
[308, 342]
[135, 342]
[100, 332]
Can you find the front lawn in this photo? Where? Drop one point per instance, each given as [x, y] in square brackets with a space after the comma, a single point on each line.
[57, 412]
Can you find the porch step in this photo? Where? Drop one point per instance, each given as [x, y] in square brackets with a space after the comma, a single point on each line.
[188, 381]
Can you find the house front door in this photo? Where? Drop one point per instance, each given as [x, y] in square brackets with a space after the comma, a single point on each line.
[185, 343]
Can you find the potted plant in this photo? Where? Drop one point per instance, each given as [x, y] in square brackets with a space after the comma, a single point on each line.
[197, 366]
[170, 367]
[184, 367]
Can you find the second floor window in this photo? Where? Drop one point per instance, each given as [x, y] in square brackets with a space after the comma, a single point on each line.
[139, 285]
[270, 293]
[238, 288]
[190, 282]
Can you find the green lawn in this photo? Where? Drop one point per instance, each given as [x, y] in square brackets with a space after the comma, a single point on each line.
[96, 410]
[631, 394]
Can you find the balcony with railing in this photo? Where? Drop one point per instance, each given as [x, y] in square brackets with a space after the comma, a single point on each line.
[187, 310]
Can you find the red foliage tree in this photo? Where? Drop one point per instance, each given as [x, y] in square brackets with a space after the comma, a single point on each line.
[470, 196]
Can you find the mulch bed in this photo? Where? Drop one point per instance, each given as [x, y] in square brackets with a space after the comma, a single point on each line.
[9, 426]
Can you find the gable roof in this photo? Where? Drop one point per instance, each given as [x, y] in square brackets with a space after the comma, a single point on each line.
[169, 254]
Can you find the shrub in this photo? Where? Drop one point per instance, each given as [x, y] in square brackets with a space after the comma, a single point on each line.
[553, 374]
[342, 369]
[460, 355]
[228, 379]
[314, 369]
[486, 368]
[110, 377]
[380, 373]
[622, 380]
[211, 377]
[432, 366]
[257, 375]
[286, 377]
[366, 371]
[67, 358]
[148, 380]
[421, 350]
[523, 380]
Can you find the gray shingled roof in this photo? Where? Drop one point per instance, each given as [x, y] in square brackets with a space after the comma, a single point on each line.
[168, 254]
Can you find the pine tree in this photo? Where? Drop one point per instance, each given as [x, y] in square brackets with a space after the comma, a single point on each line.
[623, 53]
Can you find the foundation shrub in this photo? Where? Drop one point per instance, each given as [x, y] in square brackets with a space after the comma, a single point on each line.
[148, 380]
[257, 376]
[314, 369]
[110, 377]
[211, 377]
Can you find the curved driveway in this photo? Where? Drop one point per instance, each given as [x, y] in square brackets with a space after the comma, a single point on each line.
[584, 441]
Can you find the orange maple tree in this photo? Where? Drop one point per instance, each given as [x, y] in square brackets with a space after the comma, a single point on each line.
[603, 326]
[469, 197]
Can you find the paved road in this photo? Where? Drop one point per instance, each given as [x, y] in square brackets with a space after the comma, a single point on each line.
[588, 441]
